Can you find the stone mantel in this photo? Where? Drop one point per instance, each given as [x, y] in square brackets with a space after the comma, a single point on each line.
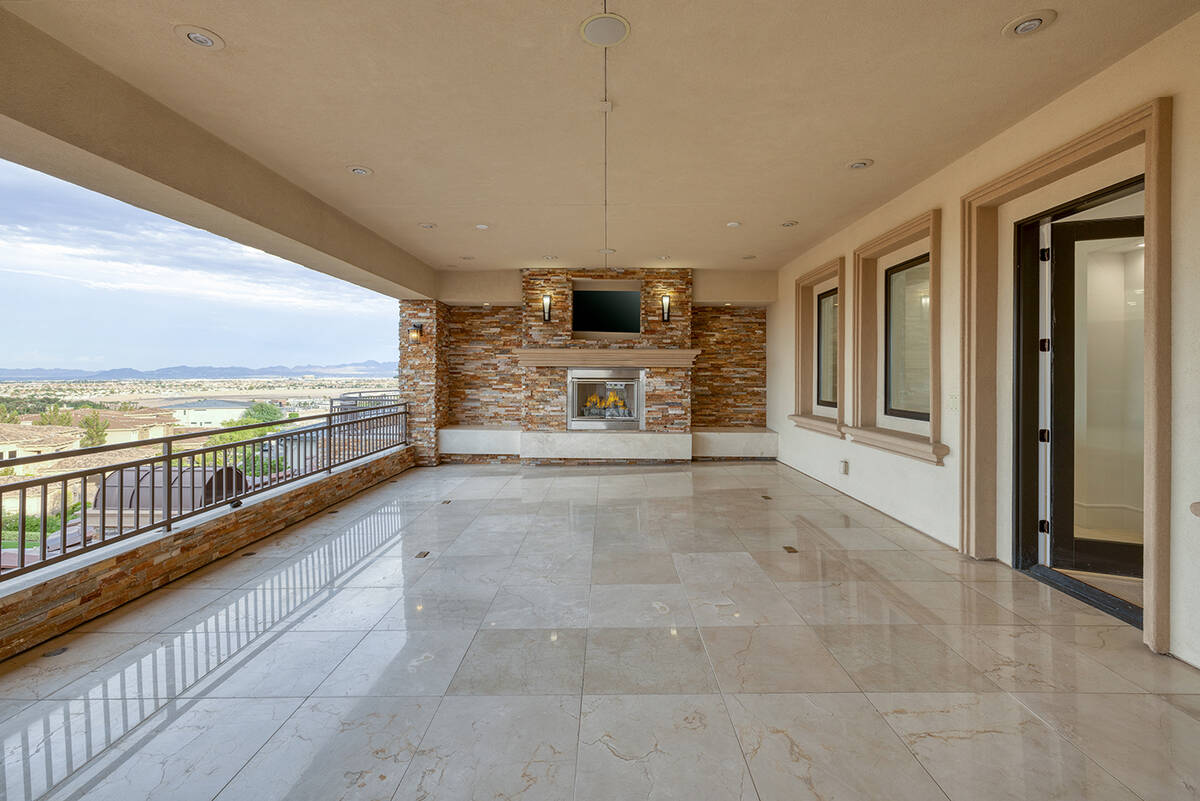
[606, 357]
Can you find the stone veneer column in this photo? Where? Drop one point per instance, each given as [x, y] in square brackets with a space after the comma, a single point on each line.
[424, 375]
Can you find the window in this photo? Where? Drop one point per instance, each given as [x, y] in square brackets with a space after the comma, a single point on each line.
[827, 348]
[819, 344]
[12, 454]
[907, 339]
[894, 336]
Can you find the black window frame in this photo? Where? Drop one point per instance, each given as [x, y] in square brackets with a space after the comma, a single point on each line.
[817, 344]
[888, 409]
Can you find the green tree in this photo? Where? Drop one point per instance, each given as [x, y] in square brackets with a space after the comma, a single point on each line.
[54, 416]
[95, 430]
[8, 416]
[262, 412]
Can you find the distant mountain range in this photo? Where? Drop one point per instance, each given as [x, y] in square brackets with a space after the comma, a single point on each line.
[367, 369]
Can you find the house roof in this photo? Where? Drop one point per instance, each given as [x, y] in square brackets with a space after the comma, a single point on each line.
[132, 419]
[30, 436]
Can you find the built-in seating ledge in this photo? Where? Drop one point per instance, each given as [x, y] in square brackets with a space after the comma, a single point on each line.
[605, 357]
[822, 425]
[914, 446]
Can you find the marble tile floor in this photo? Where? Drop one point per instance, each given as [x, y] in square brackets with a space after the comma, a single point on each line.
[600, 634]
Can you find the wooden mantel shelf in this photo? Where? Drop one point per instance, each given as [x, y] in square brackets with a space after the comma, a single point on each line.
[605, 357]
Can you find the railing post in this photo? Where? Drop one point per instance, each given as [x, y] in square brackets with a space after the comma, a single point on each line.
[167, 485]
[329, 440]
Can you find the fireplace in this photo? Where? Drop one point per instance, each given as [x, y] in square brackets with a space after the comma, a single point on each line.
[610, 398]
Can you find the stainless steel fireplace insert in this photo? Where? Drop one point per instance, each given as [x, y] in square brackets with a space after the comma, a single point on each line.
[605, 398]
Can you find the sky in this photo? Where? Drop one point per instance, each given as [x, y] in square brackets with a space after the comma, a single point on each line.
[89, 282]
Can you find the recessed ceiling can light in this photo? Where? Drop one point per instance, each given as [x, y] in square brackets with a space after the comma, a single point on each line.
[482, 226]
[428, 226]
[359, 169]
[201, 37]
[604, 30]
[860, 164]
[664, 258]
[789, 224]
[550, 258]
[748, 258]
[733, 224]
[467, 258]
[607, 251]
[1030, 23]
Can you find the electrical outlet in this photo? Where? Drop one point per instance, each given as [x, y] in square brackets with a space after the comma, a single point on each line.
[952, 402]
[844, 467]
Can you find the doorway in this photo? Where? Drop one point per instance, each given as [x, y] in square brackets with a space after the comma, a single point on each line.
[1079, 425]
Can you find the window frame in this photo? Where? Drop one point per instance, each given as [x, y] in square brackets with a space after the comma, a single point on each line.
[907, 264]
[808, 415]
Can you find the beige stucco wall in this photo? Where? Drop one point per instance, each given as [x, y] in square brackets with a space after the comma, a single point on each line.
[926, 496]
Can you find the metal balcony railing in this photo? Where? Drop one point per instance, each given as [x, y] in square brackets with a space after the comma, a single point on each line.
[49, 518]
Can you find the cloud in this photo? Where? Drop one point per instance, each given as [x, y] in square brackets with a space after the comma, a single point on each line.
[180, 262]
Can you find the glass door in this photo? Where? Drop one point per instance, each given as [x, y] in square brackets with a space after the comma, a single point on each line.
[1079, 396]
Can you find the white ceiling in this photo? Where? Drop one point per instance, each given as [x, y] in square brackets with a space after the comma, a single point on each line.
[473, 112]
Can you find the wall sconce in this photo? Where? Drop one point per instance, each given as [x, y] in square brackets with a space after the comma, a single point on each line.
[545, 308]
[414, 333]
[666, 308]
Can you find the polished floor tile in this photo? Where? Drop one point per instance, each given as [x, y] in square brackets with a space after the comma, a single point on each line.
[773, 659]
[659, 748]
[1027, 659]
[539, 607]
[636, 568]
[522, 662]
[1121, 650]
[1151, 746]
[825, 747]
[399, 663]
[845, 602]
[989, 747]
[901, 659]
[744, 603]
[482, 749]
[600, 632]
[641, 660]
[639, 606]
[352, 748]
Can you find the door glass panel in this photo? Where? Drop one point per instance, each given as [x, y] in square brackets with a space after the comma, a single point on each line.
[827, 331]
[1109, 312]
[908, 331]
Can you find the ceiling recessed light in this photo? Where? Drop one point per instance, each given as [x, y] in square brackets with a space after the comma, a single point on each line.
[604, 30]
[359, 169]
[790, 223]
[664, 258]
[748, 258]
[486, 305]
[1030, 23]
[467, 258]
[733, 224]
[607, 251]
[482, 226]
[860, 164]
[428, 226]
[201, 37]
[728, 304]
[550, 258]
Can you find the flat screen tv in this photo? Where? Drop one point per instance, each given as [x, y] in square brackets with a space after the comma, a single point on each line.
[607, 311]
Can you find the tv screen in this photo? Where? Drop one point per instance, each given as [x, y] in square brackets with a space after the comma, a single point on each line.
[608, 311]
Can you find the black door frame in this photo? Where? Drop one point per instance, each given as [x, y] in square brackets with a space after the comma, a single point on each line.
[1026, 347]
